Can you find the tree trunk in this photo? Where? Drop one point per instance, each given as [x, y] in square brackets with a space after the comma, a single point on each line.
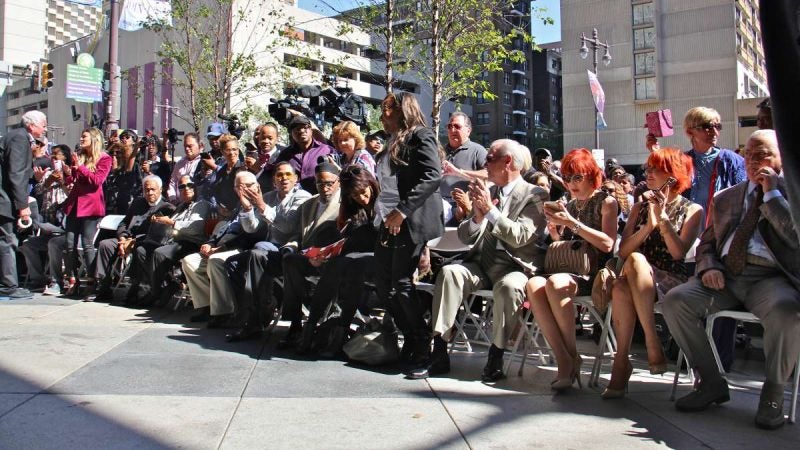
[389, 46]
[436, 56]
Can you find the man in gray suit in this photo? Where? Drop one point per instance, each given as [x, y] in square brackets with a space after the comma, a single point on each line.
[506, 230]
[15, 171]
[749, 258]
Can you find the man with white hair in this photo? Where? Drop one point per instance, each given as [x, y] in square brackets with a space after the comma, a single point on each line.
[507, 231]
[15, 171]
[748, 257]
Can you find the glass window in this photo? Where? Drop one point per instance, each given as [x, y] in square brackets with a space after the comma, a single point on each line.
[506, 98]
[525, 82]
[507, 119]
[644, 38]
[482, 118]
[479, 99]
[646, 88]
[506, 78]
[643, 13]
[645, 63]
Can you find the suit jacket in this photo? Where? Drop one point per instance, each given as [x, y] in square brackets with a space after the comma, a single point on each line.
[86, 197]
[311, 231]
[137, 222]
[15, 171]
[775, 226]
[418, 185]
[521, 229]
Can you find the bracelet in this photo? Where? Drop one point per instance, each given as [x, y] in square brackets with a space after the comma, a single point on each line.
[576, 228]
[662, 223]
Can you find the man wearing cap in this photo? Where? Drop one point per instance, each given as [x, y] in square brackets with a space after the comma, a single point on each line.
[15, 171]
[543, 162]
[464, 159]
[316, 227]
[304, 152]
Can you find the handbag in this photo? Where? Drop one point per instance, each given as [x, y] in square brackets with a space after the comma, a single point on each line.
[374, 344]
[659, 123]
[577, 256]
[604, 283]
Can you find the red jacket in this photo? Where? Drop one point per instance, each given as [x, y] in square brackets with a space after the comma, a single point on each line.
[87, 190]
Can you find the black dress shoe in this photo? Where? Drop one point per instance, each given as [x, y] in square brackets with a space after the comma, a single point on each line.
[438, 363]
[493, 371]
[292, 337]
[703, 397]
[202, 315]
[306, 342]
[770, 407]
[249, 331]
[221, 321]
[334, 348]
[101, 295]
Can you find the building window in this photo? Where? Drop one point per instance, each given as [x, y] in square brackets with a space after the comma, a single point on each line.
[646, 88]
[644, 38]
[507, 98]
[507, 119]
[525, 102]
[483, 139]
[525, 82]
[479, 99]
[526, 122]
[506, 78]
[643, 14]
[482, 118]
[645, 63]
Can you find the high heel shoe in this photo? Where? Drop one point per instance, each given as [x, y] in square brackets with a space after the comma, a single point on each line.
[611, 393]
[658, 368]
[562, 384]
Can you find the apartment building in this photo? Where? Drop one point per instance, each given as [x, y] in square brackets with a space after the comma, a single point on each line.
[547, 102]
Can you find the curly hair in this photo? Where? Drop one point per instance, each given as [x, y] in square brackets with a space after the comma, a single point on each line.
[353, 180]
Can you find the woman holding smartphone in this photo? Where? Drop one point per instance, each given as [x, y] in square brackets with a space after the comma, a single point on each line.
[409, 214]
[659, 232]
[85, 204]
[590, 216]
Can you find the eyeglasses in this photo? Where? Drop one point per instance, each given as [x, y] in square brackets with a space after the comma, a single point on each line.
[186, 186]
[326, 184]
[492, 157]
[608, 190]
[577, 178]
[709, 127]
[454, 126]
[284, 175]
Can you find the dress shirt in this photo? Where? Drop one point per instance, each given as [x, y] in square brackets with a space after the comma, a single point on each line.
[182, 168]
[756, 246]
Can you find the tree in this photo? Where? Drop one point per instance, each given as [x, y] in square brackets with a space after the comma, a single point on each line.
[225, 52]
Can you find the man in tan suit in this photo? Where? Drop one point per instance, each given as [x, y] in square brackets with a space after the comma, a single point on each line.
[315, 227]
[748, 258]
[507, 231]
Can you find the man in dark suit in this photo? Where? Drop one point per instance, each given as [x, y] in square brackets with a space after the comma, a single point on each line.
[748, 257]
[507, 231]
[15, 171]
[134, 226]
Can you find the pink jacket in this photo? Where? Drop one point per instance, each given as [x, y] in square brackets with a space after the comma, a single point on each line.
[86, 197]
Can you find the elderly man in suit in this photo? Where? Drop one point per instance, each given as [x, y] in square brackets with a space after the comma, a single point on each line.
[15, 171]
[506, 230]
[315, 227]
[749, 258]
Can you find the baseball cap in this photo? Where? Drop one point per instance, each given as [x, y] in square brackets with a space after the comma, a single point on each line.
[216, 129]
[131, 133]
[542, 152]
[298, 121]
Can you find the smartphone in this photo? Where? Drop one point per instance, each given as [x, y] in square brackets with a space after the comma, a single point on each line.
[555, 206]
[57, 165]
[205, 155]
[670, 181]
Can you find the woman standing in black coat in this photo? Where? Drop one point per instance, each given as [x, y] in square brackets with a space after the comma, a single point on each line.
[409, 214]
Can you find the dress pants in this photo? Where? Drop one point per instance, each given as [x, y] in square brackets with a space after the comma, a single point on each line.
[251, 274]
[8, 257]
[295, 290]
[346, 274]
[106, 255]
[164, 258]
[763, 291]
[456, 281]
[208, 282]
[33, 248]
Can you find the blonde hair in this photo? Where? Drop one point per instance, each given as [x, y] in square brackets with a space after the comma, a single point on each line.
[225, 138]
[348, 129]
[90, 159]
[699, 116]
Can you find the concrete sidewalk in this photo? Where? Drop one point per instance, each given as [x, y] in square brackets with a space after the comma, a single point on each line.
[89, 375]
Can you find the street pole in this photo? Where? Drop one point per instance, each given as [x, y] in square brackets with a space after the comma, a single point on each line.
[112, 103]
[595, 43]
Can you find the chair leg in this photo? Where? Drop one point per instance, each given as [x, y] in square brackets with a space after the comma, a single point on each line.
[605, 334]
[678, 374]
[710, 334]
[793, 407]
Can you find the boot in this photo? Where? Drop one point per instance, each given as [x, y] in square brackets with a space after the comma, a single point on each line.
[494, 366]
[438, 363]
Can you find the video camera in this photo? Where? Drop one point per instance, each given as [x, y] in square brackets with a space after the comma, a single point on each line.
[332, 104]
[234, 125]
[172, 135]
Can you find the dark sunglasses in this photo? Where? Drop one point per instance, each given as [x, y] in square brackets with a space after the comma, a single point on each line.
[576, 178]
[186, 186]
[492, 157]
[709, 127]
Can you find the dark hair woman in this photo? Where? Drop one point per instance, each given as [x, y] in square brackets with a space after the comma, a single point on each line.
[344, 275]
[409, 214]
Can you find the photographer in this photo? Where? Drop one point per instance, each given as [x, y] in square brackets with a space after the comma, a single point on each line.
[151, 162]
[543, 162]
[124, 183]
[304, 151]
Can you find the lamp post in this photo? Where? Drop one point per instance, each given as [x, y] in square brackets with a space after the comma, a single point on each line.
[595, 43]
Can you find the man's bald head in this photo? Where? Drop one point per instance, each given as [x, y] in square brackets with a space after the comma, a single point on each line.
[760, 151]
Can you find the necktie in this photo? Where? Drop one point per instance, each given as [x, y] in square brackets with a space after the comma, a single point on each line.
[737, 253]
[489, 244]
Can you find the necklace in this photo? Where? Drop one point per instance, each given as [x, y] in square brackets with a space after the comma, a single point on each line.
[580, 205]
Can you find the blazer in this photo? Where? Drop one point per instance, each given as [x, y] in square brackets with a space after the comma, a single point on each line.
[15, 171]
[137, 222]
[775, 226]
[280, 227]
[418, 183]
[311, 231]
[87, 198]
[521, 228]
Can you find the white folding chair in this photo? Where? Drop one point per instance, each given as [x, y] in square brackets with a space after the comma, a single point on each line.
[527, 339]
[607, 337]
[481, 323]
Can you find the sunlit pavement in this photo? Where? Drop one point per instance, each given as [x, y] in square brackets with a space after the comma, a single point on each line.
[90, 375]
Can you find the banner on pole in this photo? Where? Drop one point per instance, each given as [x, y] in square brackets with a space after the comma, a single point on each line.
[135, 13]
[599, 99]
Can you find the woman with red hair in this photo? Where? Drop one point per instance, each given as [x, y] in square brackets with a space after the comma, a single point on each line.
[660, 230]
[591, 216]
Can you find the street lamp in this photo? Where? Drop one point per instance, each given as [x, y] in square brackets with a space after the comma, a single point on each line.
[595, 43]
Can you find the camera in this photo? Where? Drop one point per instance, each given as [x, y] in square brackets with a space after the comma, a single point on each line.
[332, 104]
[233, 123]
[172, 135]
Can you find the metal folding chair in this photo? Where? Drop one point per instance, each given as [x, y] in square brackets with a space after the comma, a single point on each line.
[607, 337]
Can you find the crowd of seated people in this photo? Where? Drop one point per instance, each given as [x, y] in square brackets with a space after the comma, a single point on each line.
[324, 218]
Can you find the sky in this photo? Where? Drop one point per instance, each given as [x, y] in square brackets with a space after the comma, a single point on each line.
[543, 34]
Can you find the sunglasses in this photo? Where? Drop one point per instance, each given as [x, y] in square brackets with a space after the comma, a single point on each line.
[186, 186]
[709, 127]
[284, 175]
[577, 178]
[492, 157]
[454, 126]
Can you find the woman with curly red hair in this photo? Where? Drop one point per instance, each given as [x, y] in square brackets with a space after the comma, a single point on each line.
[590, 216]
[660, 230]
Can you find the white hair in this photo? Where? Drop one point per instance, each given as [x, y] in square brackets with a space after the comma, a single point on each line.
[512, 148]
[250, 177]
[155, 179]
[33, 117]
[768, 137]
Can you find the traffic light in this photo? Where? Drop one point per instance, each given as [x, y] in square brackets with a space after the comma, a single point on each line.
[45, 75]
